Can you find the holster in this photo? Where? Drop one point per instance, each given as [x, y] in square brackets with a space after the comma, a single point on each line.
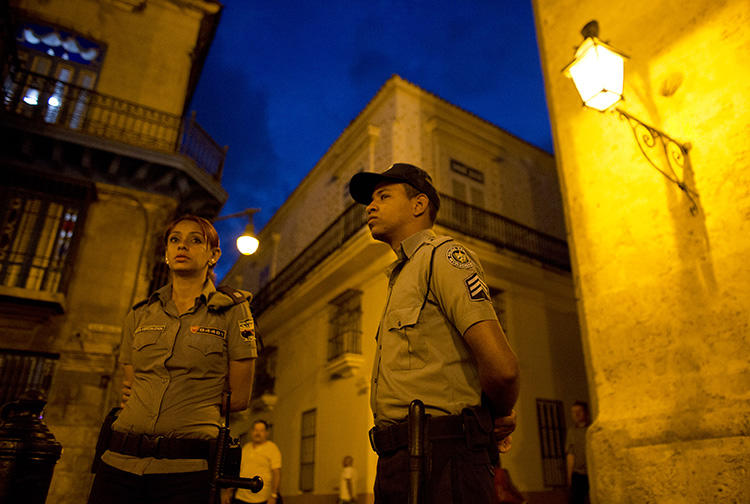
[105, 435]
[479, 431]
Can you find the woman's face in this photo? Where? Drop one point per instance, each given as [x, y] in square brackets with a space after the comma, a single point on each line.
[187, 249]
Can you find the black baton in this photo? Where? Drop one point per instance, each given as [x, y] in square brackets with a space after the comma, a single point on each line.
[416, 450]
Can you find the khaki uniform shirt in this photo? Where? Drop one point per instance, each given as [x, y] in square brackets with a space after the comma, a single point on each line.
[181, 367]
[421, 353]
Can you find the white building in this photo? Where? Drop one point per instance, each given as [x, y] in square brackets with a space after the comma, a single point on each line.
[320, 288]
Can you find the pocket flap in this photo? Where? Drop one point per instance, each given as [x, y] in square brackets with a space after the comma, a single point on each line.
[402, 317]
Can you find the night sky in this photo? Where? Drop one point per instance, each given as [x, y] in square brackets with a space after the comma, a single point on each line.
[283, 79]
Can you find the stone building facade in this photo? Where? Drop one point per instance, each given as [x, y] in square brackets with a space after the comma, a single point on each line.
[97, 158]
[663, 293]
[319, 288]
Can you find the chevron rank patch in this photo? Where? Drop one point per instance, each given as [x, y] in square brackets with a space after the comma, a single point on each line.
[478, 290]
[458, 257]
[247, 329]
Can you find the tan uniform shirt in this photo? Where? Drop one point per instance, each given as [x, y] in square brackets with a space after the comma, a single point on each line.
[181, 366]
[421, 353]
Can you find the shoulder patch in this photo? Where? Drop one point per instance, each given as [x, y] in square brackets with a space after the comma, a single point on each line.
[458, 257]
[478, 290]
[247, 330]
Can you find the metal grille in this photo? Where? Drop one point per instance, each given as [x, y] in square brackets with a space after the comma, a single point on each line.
[58, 103]
[307, 452]
[37, 234]
[503, 232]
[551, 419]
[346, 321]
[23, 370]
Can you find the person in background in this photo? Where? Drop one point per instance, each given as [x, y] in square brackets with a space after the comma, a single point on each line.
[439, 341]
[348, 483]
[575, 449]
[260, 457]
[181, 348]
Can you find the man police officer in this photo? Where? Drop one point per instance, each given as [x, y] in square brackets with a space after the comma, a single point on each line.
[439, 341]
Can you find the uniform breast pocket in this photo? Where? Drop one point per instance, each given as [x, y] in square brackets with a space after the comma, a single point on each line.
[406, 347]
[146, 345]
[206, 344]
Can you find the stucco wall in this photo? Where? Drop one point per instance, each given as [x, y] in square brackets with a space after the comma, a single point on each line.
[664, 294]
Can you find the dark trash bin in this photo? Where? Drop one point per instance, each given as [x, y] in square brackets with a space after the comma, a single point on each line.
[28, 451]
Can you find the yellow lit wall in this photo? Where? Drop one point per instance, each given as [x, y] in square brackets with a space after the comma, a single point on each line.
[664, 295]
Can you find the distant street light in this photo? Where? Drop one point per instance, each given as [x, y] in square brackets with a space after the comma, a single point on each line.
[247, 243]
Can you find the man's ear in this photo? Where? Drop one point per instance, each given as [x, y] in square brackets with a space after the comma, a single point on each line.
[420, 203]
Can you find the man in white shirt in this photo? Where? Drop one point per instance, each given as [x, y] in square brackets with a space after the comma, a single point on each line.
[348, 485]
[260, 457]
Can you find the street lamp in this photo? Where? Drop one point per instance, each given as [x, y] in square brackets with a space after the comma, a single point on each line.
[597, 70]
[247, 243]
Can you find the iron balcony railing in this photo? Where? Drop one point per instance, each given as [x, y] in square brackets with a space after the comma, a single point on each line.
[22, 370]
[49, 101]
[454, 214]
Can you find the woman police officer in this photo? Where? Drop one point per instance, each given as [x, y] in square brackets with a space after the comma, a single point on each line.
[180, 348]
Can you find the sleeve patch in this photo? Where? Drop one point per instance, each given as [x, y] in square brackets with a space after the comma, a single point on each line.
[459, 258]
[478, 290]
[247, 330]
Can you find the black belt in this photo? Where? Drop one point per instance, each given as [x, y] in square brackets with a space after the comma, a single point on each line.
[157, 446]
[396, 437]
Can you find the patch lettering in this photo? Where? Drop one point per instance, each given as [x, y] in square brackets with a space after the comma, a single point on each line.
[478, 290]
[221, 333]
[150, 328]
[247, 330]
[459, 258]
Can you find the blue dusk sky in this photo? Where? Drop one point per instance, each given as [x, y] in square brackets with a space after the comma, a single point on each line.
[284, 78]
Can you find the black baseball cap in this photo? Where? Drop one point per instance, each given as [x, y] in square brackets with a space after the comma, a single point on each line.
[363, 184]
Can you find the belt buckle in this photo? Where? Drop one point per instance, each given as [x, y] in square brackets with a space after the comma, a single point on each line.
[149, 445]
[371, 435]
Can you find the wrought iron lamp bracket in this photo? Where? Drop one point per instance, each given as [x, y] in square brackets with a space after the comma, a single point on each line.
[655, 144]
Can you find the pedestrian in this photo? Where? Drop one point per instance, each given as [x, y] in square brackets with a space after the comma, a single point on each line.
[575, 450]
[182, 347]
[260, 457]
[348, 483]
[440, 342]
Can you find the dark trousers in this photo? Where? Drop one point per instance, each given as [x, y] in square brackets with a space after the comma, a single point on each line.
[579, 488]
[112, 486]
[457, 475]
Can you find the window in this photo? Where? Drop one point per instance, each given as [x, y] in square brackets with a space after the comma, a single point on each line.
[551, 420]
[307, 452]
[265, 371]
[22, 371]
[40, 223]
[64, 67]
[346, 324]
[468, 187]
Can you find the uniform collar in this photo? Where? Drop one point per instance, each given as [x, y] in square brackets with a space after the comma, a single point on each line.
[409, 247]
[165, 293]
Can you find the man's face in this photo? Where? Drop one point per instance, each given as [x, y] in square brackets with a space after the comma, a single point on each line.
[259, 433]
[389, 211]
[579, 415]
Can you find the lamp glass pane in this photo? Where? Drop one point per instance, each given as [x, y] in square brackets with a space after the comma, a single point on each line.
[597, 70]
[247, 244]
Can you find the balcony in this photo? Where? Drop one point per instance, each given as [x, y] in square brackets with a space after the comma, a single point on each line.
[454, 214]
[49, 102]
